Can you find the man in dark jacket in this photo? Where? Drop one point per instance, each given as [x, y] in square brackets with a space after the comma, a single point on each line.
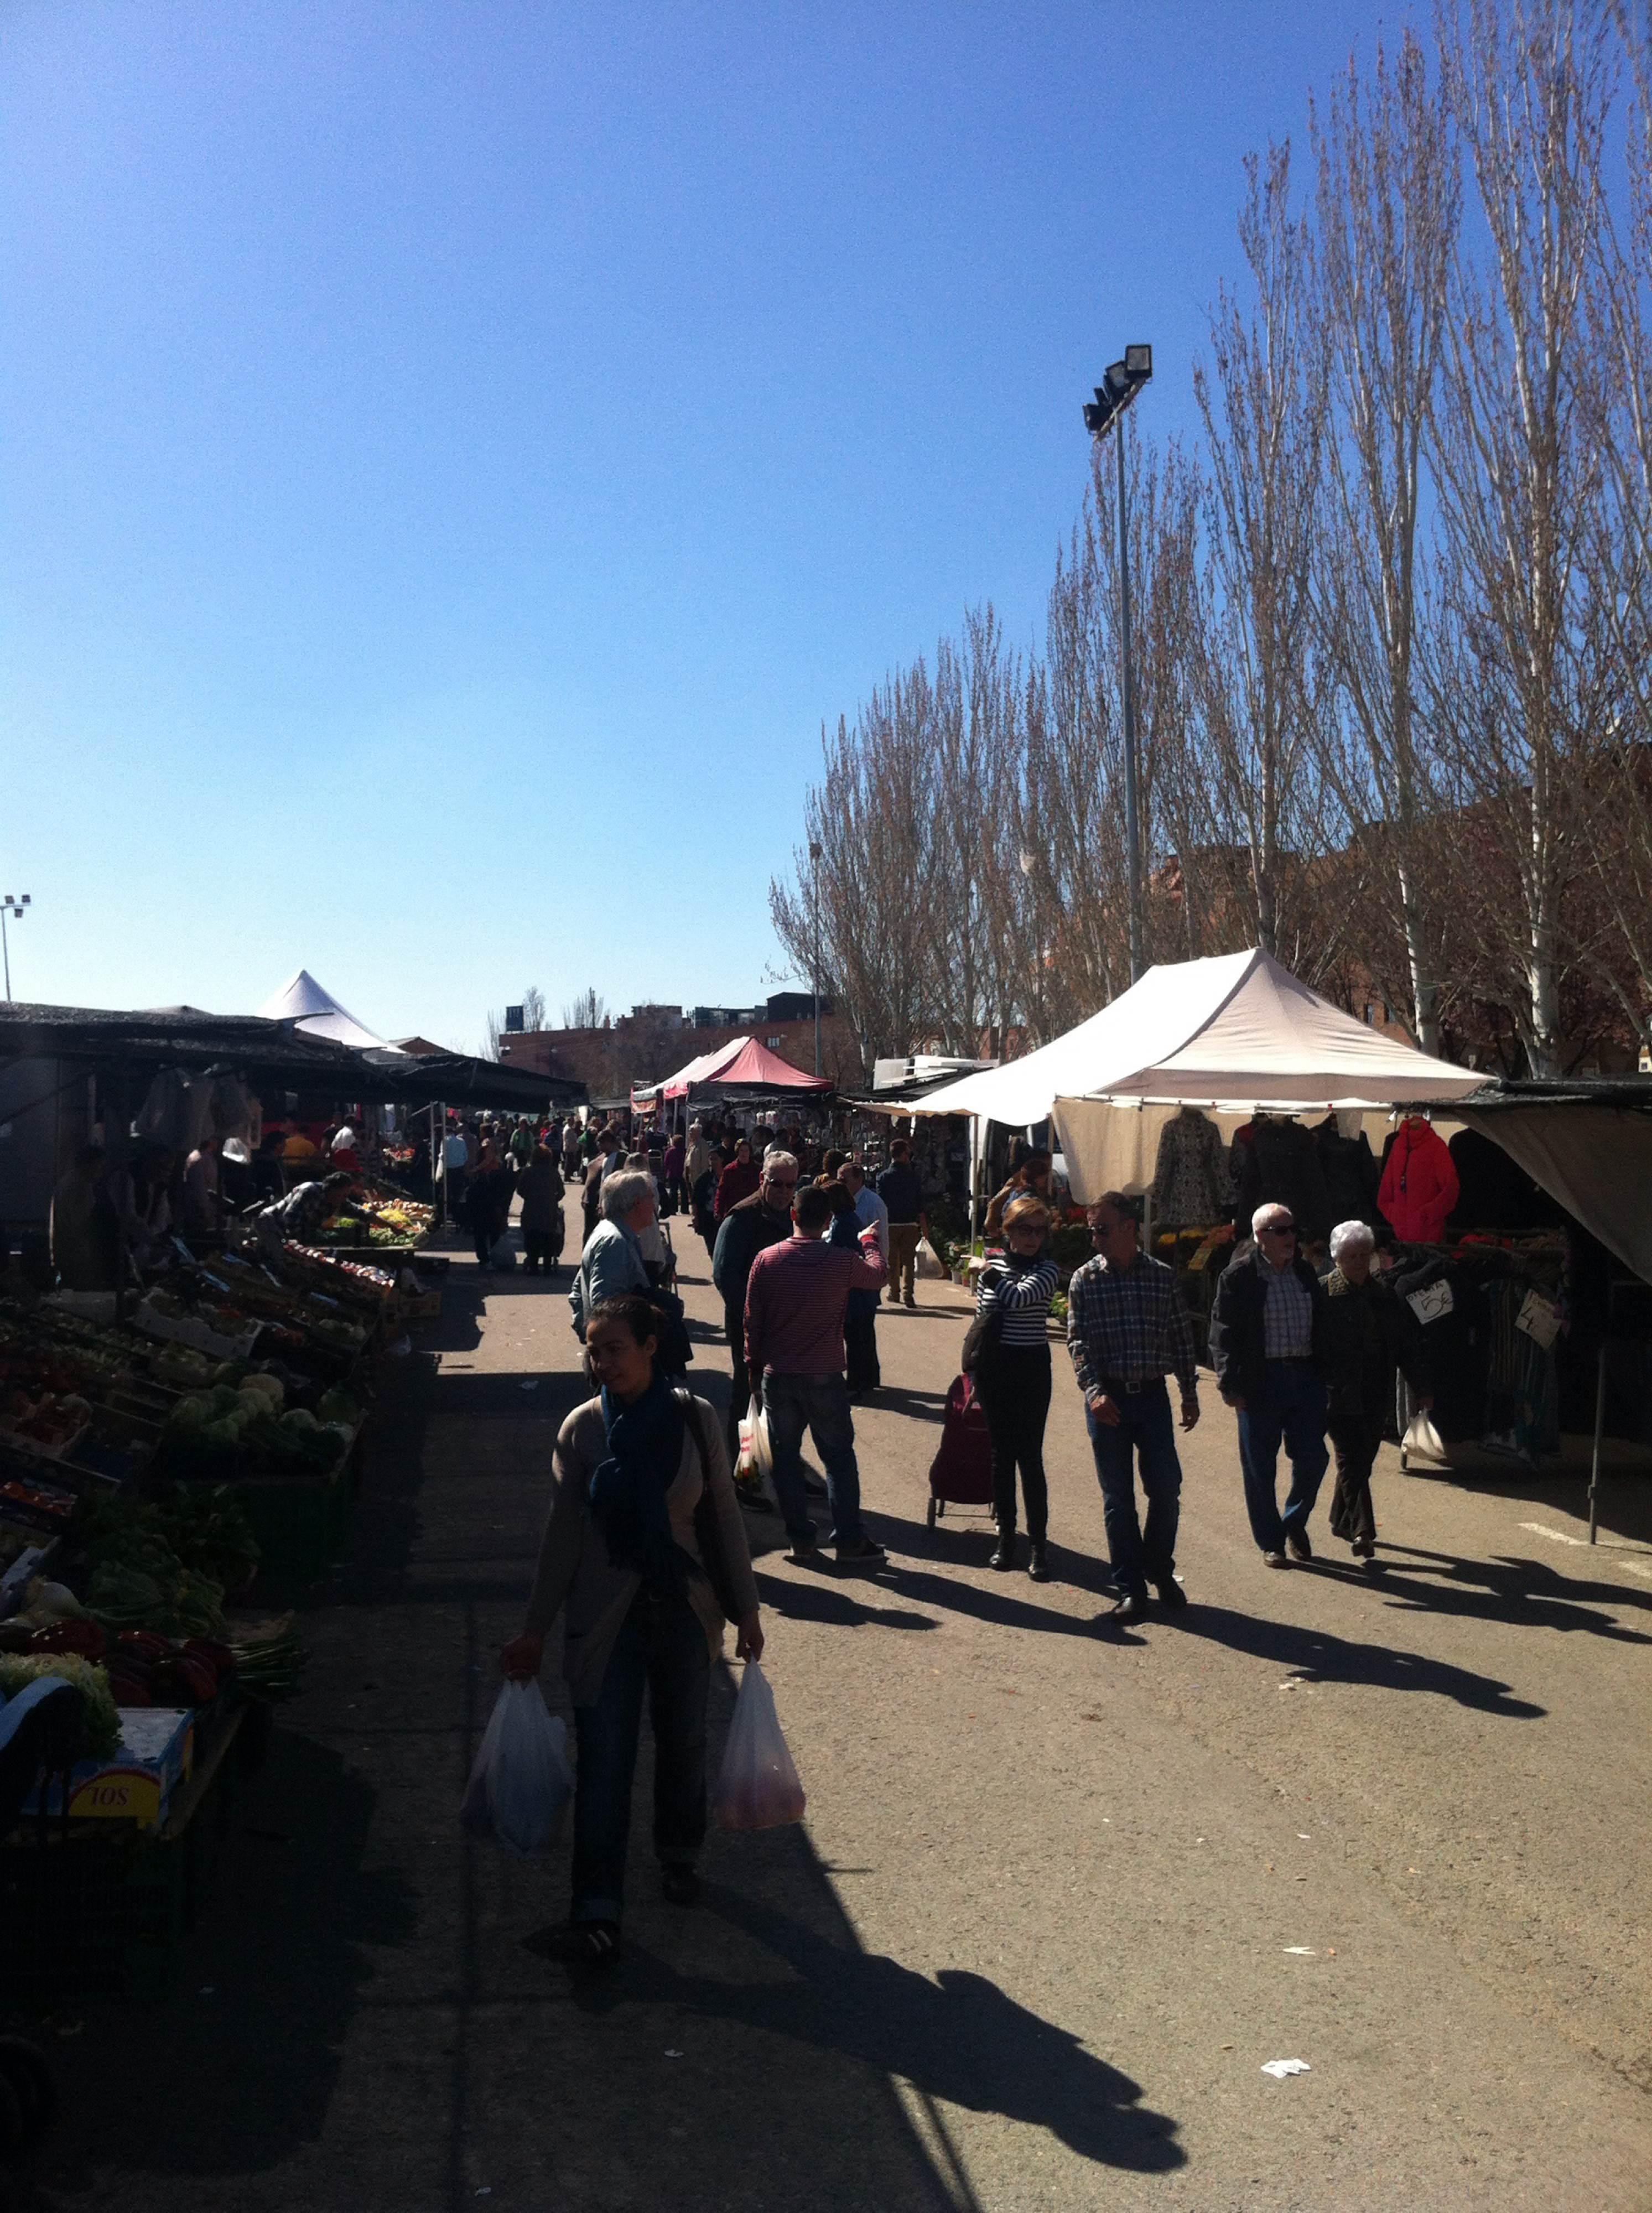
[1369, 1333]
[902, 1193]
[1269, 1347]
[747, 1230]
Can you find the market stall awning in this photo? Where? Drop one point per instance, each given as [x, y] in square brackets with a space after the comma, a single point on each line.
[1237, 1030]
[455, 1079]
[1588, 1143]
[754, 1067]
[264, 1052]
[742, 1066]
[303, 1001]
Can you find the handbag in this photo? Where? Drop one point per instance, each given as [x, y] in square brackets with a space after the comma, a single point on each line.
[982, 1339]
[708, 1529]
[673, 1350]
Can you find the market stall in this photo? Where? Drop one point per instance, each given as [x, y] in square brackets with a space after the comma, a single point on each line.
[169, 1482]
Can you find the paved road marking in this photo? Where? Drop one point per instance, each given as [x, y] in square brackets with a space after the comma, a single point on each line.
[1564, 1537]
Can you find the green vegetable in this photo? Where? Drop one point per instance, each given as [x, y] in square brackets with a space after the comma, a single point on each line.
[18, 1670]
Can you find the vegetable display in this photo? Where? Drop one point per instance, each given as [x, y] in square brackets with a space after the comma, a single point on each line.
[19, 1670]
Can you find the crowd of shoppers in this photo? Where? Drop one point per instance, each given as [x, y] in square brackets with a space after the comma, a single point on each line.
[804, 1246]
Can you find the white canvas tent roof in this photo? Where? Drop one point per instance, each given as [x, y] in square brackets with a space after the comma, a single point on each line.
[303, 1001]
[1236, 1032]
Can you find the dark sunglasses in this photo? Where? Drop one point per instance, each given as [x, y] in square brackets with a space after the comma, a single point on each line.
[1280, 1229]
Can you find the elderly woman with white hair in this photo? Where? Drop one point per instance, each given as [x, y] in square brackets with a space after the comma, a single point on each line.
[1369, 1332]
[614, 1262]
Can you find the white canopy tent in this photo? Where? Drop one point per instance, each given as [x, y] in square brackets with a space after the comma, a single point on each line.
[1236, 1033]
[303, 1001]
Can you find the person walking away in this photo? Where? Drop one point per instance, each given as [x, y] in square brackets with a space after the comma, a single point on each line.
[1268, 1346]
[570, 1155]
[541, 1192]
[1127, 1329]
[795, 1296]
[612, 1265]
[1013, 1377]
[740, 1180]
[633, 1472]
[1031, 1179]
[696, 1159]
[672, 1167]
[702, 1199]
[605, 1160]
[865, 1375]
[1369, 1333]
[757, 1222]
[860, 1313]
[902, 1195]
[490, 1202]
[455, 1157]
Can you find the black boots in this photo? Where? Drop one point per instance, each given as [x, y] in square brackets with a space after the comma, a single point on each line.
[1004, 1556]
[1038, 1567]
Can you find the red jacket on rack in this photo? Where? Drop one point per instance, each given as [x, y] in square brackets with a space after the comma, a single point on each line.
[1419, 1184]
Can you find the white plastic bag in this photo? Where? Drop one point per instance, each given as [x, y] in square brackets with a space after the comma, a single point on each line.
[928, 1263]
[758, 1788]
[521, 1782]
[756, 1463]
[503, 1253]
[1422, 1440]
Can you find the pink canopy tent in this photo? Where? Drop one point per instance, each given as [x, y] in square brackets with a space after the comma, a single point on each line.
[741, 1065]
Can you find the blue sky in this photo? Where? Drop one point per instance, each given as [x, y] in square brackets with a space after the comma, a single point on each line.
[453, 457]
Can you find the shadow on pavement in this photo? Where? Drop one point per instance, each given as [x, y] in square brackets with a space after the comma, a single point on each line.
[834, 1602]
[959, 2038]
[1524, 1593]
[228, 2077]
[1316, 1655]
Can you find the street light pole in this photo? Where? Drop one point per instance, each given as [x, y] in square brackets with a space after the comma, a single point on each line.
[11, 910]
[1132, 801]
[814, 882]
[1124, 379]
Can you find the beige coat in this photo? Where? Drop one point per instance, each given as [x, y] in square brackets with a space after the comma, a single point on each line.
[575, 1569]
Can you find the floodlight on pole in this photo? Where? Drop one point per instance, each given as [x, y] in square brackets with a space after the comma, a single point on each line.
[13, 908]
[1124, 379]
[815, 885]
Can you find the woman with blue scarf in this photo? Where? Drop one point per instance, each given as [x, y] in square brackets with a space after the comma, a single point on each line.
[642, 1496]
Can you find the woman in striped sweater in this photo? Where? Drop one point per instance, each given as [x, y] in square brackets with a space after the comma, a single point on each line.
[1012, 1376]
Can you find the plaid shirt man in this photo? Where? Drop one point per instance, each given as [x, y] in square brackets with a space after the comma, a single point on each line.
[1287, 1315]
[1126, 1327]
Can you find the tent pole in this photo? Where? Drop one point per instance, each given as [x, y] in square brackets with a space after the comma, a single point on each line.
[1600, 1425]
[974, 1178]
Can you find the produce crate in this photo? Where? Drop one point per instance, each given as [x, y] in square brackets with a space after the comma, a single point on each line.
[97, 1910]
[301, 1522]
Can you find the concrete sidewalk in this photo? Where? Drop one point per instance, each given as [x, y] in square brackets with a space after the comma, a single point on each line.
[1060, 1892]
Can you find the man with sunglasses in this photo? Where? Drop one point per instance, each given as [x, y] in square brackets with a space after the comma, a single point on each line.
[1269, 1347]
[748, 1229]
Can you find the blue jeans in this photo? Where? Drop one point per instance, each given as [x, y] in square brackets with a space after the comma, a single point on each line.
[1291, 1410]
[661, 1644]
[818, 1404]
[1145, 1433]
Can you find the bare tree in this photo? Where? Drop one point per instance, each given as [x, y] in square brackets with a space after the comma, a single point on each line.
[1618, 796]
[1515, 673]
[588, 1012]
[532, 1008]
[866, 897]
[1262, 402]
[1387, 217]
[492, 1036]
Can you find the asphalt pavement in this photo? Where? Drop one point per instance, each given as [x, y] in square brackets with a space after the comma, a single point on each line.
[1061, 1893]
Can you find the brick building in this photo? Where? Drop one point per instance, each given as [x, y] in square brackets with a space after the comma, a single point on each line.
[650, 1041]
